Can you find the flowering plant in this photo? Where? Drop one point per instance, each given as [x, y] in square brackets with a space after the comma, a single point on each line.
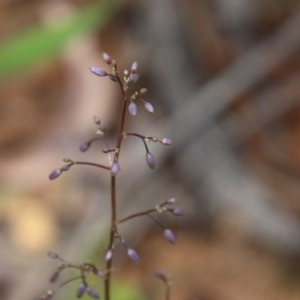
[129, 104]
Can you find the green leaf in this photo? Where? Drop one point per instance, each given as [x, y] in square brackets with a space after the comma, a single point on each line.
[34, 45]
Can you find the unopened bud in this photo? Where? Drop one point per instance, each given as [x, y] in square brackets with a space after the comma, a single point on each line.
[115, 168]
[150, 159]
[165, 141]
[134, 67]
[80, 290]
[98, 71]
[160, 274]
[97, 120]
[84, 147]
[169, 235]
[177, 211]
[54, 174]
[134, 77]
[133, 255]
[53, 255]
[132, 108]
[101, 273]
[149, 107]
[170, 200]
[92, 293]
[55, 276]
[106, 58]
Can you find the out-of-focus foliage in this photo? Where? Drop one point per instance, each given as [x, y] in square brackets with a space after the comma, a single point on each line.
[36, 44]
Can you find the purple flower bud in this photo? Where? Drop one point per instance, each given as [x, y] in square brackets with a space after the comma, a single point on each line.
[177, 211]
[101, 273]
[98, 71]
[166, 141]
[53, 255]
[160, 274]
[171, 200]
[115, 168]
[133, 255]
[80, 290]
[55, 276]
[92, 293]
[97, 120]
[134, 77]
[109, 254]
[106, 58]
[149, 107]
[84, 147]
[169, 235]
[134, 67]
[132, 108]
[55, 173]
[150, 159]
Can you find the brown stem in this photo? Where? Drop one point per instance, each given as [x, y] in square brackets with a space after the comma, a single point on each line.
[108, 267]
[91, 164]
[139, 214]
[114, 220]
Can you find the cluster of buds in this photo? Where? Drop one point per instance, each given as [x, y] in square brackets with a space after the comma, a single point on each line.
[168, 233]
[129, 106]
[161, 208]
[132, 254]
[131, 100]
[69, 163]
[150, 158]
[84, 270]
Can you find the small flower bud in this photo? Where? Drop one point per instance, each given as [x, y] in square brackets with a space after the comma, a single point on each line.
[132, 108]
[171, 200]
[109, 254]
[98, 71]
[177, 211]
[106, 58]
[115, 168]
[165, 141]
[97, 120]
[92, 293]
[53, 255]
[80, 290]
[160, 274]
[134, 67]
[134, 77]
[169, 235]
[54, 174]
[149, 107]
[133, 255]
[84, 147]
[150, 159]
[101, 273]
[55, 275]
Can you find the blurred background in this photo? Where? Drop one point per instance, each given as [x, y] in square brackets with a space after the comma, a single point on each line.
[223, 76]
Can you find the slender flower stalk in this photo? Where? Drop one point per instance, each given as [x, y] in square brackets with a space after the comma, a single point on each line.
[129, 104]
[113, 199]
